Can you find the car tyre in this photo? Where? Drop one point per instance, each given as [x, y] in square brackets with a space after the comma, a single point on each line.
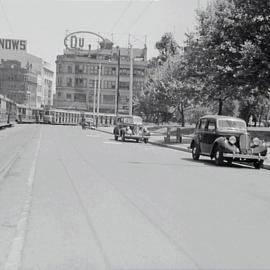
[145, 140]
[123, 137]
[258, 164]
[137, 140]
[116, 137]
[195, 152]
[219, 156]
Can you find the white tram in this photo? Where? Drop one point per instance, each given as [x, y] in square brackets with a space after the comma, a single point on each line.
[7, 111]
[61, 117]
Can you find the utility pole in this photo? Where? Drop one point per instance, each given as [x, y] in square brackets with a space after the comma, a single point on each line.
[99, 75]
[131, 81]
[118, 80]
[94, 100]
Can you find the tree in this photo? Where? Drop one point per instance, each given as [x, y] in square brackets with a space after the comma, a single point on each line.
[167, 46]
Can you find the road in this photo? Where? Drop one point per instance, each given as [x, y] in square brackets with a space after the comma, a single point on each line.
[76, 199]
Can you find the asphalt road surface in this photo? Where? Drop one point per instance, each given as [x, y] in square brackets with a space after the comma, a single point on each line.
[76, 199]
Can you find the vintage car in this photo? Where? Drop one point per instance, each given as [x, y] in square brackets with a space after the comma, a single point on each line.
[226, 138]
[130, 127]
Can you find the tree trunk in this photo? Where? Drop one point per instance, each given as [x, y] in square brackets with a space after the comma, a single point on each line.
[220, 106]
[181, 111]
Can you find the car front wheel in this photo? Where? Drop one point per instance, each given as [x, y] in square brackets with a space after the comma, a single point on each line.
[123, 137]
[219, 156]
[116, 137]
[195, 152]
[258, 164]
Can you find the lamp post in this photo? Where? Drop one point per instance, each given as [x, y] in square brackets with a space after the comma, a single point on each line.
[98, 92]
[118, 79]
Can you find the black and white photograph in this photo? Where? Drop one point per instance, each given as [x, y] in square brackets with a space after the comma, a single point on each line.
[134, 134]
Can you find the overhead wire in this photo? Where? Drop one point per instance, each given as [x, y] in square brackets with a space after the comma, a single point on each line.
[122, 14]
[134, 22]
[6, 17]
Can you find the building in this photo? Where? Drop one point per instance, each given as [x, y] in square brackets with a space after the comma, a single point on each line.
[83, 73]
[17, 83]
[11, 49]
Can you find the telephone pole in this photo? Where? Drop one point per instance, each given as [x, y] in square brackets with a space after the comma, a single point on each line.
[118, 80]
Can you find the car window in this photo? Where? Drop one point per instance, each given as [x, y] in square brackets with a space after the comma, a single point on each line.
[211, 125]
[203, 123]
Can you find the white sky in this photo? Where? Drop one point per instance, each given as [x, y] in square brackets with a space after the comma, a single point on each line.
[43, 23]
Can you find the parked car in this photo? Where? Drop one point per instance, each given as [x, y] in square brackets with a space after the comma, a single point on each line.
[131, 128]
[226, 138]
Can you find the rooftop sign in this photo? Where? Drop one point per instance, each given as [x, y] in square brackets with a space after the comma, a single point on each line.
[12, 44]
[82, 40]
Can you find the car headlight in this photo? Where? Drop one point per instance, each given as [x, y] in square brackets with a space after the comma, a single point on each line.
[256, 141]
[232, 140]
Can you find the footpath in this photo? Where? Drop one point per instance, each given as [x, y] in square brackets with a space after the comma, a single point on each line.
[158, 140]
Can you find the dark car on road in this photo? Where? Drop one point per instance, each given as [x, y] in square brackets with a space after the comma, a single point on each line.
[225, 138]
[130, 128]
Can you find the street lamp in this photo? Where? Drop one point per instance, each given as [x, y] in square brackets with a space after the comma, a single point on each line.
[118, 79]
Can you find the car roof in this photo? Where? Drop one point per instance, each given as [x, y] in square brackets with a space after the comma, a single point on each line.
[217, 117]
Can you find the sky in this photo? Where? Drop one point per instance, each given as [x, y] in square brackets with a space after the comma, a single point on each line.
[45, 23]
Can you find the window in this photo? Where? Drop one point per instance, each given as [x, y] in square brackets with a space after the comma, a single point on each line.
[59, 81]
[109, 70]
[109, 84]
[69, 82]
[138, 72]
[69, 69]
[124, 85]
[80, 97]
[203, 124]
[59, 94]
[124, 71]
[79, 68]
[80, 82]
[68, 96]
[91, 84]
[211, 125]
[93, 69]
[108, 99]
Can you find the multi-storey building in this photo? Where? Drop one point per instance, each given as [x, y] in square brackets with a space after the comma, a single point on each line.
[41, 70]
[17, 83]
[87, 79]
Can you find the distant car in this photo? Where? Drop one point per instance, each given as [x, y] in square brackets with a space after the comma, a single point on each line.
[226, 138]
[130, 128]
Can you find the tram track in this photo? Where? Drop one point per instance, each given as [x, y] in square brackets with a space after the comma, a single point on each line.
[5, 169]
[151, 221]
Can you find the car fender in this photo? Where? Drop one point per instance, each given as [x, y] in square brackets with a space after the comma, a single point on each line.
[194, 140]
[220, 141]
[116, 131]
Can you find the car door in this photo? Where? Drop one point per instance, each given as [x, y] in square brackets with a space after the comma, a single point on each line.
[210, 135]
[202, 135]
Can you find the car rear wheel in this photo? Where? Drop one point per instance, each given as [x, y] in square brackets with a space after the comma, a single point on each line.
[258, 164]
[145, 140]
[219, 156]
[123, 137]
[195, 152]
[116, 137]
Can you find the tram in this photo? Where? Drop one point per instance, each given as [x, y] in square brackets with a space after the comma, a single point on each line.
[61, 117]
[8, 110]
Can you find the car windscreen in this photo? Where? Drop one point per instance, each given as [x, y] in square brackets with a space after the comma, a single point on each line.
[231, 124]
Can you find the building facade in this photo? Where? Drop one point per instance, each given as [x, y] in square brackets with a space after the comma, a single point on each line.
[87, 79]
[18, 83]
[40, 70]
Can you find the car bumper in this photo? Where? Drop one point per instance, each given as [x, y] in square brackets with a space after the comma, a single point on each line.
[244, 157]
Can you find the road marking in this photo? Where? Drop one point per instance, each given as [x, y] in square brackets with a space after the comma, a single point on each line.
[108, 142]
[15, 253]
[94, 136]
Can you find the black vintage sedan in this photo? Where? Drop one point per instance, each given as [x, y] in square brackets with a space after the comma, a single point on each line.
[225, 138]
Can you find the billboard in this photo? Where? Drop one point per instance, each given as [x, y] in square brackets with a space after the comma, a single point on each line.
[12, 44]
